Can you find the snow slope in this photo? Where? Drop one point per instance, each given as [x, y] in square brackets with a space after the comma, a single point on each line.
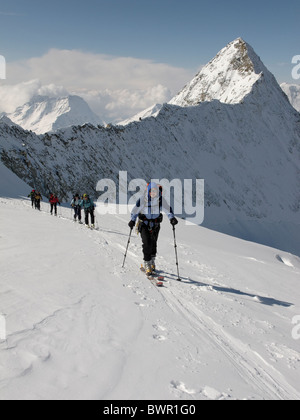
[10, 185]
[293, 93]
[81, 327]
[43, 114]
[152, 111]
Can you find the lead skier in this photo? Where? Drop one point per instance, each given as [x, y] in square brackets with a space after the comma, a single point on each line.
[148, 211]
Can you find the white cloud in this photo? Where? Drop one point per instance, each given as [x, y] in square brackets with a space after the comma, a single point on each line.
[12, 96]
[115, 87]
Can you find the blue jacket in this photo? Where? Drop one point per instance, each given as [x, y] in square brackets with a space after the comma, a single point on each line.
[151, 207]
[87, 204]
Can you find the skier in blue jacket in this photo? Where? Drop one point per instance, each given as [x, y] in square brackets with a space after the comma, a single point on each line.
[88, 206]
[148, 210]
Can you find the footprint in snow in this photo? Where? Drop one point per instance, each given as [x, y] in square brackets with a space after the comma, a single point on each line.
[159, 337]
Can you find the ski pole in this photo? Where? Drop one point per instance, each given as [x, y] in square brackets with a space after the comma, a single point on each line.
[97, 225]
[175, 246]
[127, 247]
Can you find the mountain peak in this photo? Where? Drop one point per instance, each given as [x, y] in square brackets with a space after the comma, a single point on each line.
[229, 77]
[43, 114]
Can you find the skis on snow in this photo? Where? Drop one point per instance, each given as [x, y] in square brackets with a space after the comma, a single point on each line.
[154, 278]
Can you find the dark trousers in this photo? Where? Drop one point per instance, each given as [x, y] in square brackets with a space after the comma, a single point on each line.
[37, 204]
[149, 238]
[77, 212]
[86, 213]
[53, 207]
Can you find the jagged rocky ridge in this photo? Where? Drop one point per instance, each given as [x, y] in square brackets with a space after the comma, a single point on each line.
[247, 149]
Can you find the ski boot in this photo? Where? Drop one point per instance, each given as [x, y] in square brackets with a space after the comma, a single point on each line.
[147, 268]
[152, 263]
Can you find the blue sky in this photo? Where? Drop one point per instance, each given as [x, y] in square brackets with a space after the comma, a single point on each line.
[179, 36]
[184, 33]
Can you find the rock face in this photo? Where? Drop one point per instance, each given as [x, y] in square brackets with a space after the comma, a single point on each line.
[243, 140]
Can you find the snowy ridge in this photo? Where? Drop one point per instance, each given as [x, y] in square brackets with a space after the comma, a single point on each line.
[84, 328]
[43, 114]
[152, 111]
[248, 153]
[5, 120]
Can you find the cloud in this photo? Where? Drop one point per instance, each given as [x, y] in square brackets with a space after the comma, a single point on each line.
[12, 96]
[115, 87]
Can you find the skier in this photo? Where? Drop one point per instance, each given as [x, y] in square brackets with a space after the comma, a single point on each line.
[37, 200]
[88, 205]
[53, 200]
[75, 203]
[148, 210]
[32, 197]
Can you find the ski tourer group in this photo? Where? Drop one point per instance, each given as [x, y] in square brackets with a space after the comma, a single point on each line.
[146, 216]
[78, 203]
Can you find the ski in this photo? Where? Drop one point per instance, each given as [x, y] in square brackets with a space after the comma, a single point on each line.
[155, 280]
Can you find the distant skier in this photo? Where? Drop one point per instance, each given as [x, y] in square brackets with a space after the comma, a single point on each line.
[37, 200]
[32, 197]
[75, 203]
[53, 200]
[148, 210]
[89, 207]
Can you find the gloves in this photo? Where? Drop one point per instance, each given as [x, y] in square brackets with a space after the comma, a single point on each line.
[131, 224]
[174, 221]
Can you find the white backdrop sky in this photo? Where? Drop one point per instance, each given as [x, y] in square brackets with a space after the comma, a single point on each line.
[125, 55]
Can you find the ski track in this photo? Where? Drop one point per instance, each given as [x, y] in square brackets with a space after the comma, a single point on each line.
[180, 300]
[251, 368]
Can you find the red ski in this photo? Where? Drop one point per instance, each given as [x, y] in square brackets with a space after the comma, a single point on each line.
[155, 280]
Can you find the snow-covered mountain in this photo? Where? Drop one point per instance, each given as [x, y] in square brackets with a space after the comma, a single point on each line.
[293, 93]
[246, 148]
[230, 77]
[43, 114]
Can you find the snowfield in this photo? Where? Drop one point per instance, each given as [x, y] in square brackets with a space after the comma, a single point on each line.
[78, 326]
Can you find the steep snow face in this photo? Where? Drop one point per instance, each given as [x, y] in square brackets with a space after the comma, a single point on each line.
[293, 93]
[43, 114]
[229, 77]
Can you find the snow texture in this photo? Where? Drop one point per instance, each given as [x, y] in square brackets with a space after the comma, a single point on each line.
[43, 114]
[78, 326]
